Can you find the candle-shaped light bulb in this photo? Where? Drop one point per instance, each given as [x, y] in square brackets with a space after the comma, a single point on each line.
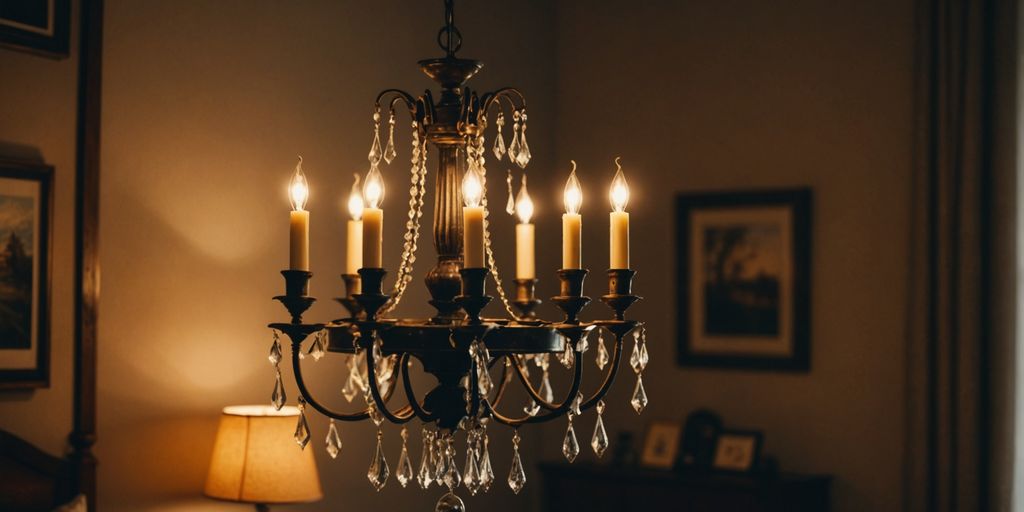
[373, 219]
[298, 188]
[472, 188]
[472, 220]
[619, 220]
[525, 264]
[524, 205]
[572, 223]
[355, 200]
[373, 188]
[619, 193]
[354, 254]
[573, 196]
[298, 232]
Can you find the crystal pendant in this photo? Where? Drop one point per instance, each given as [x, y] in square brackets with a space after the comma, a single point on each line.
[333, 440]
[634, 357]
[278, 396]
[639, 400]
[425, 476]
[471, 472]
[600, 440]
[570, 447]
[516, 475]
[379, 472]
[451, 476]
[523, 156]
[375, 151]
[532, 408]
[404, 472]
[302, 427]
[513, 147]
[510, 205]
[317, 348]
[602, 353]
[389, 151]
[440, 461]
[569, 356]
[484, 381]
[576, 404]
[499, 139]
[275, 351]
[350, 389]
[486, 471]
[545, 388]
[644, 357]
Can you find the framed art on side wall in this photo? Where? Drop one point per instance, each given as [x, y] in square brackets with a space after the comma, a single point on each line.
[37, 26]
[743, 275]
[25, 206]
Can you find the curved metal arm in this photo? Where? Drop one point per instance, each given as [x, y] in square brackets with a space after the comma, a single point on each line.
[410, 102]
[557, 412]
[404, 414]
[297, 370]
[505, 92]
[423, 415]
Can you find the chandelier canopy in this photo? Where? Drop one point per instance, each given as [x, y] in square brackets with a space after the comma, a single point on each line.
[456, 346]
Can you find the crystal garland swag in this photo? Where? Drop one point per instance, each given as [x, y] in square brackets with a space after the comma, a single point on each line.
[457, 346]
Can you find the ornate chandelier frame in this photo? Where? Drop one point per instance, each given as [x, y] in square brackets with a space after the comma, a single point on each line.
[457, 346]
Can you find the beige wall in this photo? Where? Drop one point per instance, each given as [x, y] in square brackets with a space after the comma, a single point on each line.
[38, 98]
[206, 105]
[745, 94]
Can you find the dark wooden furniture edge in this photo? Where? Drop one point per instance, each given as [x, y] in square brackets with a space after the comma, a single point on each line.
[87, 265]
[38, 480]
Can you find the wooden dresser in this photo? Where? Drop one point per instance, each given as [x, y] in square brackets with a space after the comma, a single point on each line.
[597, 488]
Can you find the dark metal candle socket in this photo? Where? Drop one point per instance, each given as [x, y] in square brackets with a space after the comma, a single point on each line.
[372, 297]
[620, 288]
[353, 287]
[474, 295]
[571, 300]
[526, 302]
[296, 298]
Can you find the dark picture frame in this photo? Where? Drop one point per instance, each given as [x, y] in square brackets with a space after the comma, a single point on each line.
[737, 451]
[743, 279]
[25, 269]
[42, 27]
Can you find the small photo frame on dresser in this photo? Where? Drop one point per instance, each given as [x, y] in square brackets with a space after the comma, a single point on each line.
[737, 451]
[661, 444]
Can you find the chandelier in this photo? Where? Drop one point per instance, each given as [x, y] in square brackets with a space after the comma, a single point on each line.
[457, 346]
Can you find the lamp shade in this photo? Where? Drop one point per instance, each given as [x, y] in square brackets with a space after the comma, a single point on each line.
[255, 459]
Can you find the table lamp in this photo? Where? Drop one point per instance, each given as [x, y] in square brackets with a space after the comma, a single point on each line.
[255, 459]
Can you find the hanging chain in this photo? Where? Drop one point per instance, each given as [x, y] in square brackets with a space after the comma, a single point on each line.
[475, 155]
[418, 179]
[449, 38]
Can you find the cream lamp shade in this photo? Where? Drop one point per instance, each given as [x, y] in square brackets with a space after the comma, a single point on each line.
[256, 460]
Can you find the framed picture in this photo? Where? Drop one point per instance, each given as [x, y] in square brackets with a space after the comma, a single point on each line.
[37, 26]
[699, 435]
[661, 445]
[737, 451]
[25, 206]
[743, 279]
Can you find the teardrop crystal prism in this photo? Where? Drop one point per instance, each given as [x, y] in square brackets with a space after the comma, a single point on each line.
[317, 348]
[379, 472]
[375, 151]
[510, 205]
[350, 389]
[275, 351]
[484, 381]
[516, 475]
[389, 151]
[425, 475]
[523, 156]
[576, 404]
[302, 430]
[602, 358]
[570, 447]
[634, 358]
[600, 440]
[440, 461]
[333, 440]
[545, 388]
[584, 343]
[471, 473]
[404, 472]
[499, 139]
[639, 400]
[644, 357]
[513, 147]
[278, 396]
[452, 478]
[486, 471]
[569, 356]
